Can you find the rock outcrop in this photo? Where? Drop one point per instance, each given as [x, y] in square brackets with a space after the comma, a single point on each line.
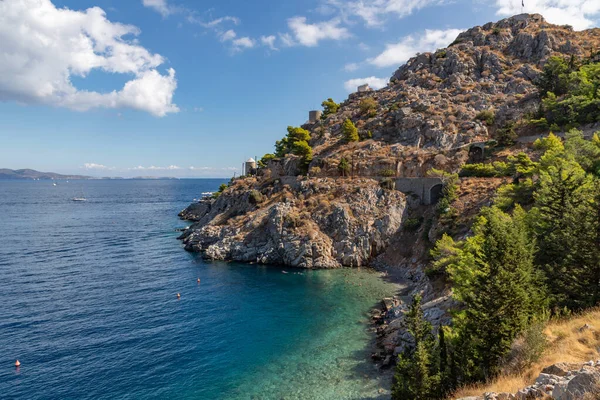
[562, 381]
[311, 223]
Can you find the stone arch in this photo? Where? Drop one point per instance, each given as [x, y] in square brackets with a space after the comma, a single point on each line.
[436, 193]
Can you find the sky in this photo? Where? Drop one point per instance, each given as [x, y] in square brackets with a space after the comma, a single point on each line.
[188, 88]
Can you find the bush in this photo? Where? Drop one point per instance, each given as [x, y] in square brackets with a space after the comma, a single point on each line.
[527, 348]
[329, 107]
[387, 173]
[262, 163]
[367, 105]
[350, 132]
[344, 166]
[413, 224]
[486, 116]
[366, 135]
[255, 197]
[388, 184]
[315, 171]
[506, 135]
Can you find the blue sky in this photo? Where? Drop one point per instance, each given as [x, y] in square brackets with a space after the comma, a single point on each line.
[192, 88]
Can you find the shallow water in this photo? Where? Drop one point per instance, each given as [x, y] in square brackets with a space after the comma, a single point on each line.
[88, 305]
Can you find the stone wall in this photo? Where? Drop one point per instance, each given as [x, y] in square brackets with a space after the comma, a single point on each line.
[428, 189]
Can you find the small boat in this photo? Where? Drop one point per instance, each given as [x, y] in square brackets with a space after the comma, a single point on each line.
[79, 199]
[54, 184]
[285, 272]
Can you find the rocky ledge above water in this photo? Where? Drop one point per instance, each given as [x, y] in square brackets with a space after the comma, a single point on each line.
[304, 223]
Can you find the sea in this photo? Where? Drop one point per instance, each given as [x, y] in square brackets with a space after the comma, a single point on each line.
[89, 306]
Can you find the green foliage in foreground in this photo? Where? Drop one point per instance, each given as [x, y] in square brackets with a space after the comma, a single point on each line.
[513, 270]
[570, 93]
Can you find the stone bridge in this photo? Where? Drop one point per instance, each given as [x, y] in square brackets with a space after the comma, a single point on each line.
[429, 190]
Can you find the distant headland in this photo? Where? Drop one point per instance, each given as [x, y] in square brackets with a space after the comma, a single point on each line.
[32, 174]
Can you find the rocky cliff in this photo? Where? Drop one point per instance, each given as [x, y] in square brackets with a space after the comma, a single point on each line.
[427, 117]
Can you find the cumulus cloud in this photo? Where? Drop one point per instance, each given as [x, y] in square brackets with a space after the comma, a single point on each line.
[374, 83]
[581, 14]
[269, 41]
[311, 34]
[160, 6]
[43, 46]
[95, 166]
[238, 43]
[373, 12]
[398, 53]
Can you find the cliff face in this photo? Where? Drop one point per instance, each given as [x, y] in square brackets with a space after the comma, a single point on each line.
[318, 223]
[427, 117]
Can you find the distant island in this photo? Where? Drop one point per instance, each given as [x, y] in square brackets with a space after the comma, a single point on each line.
[6, 173]
[33, 174]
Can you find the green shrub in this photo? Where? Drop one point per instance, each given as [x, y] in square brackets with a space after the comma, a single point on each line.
[412, 224]
[387, 173]
[344, 166]
[366, 135]
[262, 163]
[349, 131]
[506, 135]
[487, 116]
[255, 197]
[329, 107]
[367, 105]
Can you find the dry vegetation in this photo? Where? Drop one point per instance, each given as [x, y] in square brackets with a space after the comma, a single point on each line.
[568, 341]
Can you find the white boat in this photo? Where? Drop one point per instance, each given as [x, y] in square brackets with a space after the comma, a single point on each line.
[54, 184]
[79, 199]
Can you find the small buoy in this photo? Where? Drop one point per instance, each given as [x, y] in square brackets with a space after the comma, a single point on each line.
[17, 364]
[198, 280]
[178, 295]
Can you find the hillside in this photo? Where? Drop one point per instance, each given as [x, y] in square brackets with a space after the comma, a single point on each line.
[33, 174]
[451, 181]
[429, 116]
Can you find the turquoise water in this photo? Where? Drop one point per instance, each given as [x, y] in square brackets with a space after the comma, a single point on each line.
[88, 305]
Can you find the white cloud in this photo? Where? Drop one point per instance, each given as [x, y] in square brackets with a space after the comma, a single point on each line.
[228, 35]
[311, 34]
[42, 47]
[154, 168]
[372, 12]
[398, 53]
[215, 22]
[243, 43]
[95, 166]
[286, 39]
[581, 14]
[374, 83]
[351, 67]
[198, 109]
[269, 41]
[238, 44]
[160, 6]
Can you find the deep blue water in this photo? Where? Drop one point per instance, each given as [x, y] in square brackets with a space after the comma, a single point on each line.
[88, 305]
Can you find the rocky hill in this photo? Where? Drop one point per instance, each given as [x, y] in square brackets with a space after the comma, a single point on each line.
[434, 113]
[33, 174]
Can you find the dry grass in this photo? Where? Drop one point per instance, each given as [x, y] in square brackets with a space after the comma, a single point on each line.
[567, 342]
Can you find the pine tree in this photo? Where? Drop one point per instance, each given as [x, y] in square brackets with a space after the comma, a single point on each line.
[350, 131]
[563, 219]
[500, 289]
[417, 374]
